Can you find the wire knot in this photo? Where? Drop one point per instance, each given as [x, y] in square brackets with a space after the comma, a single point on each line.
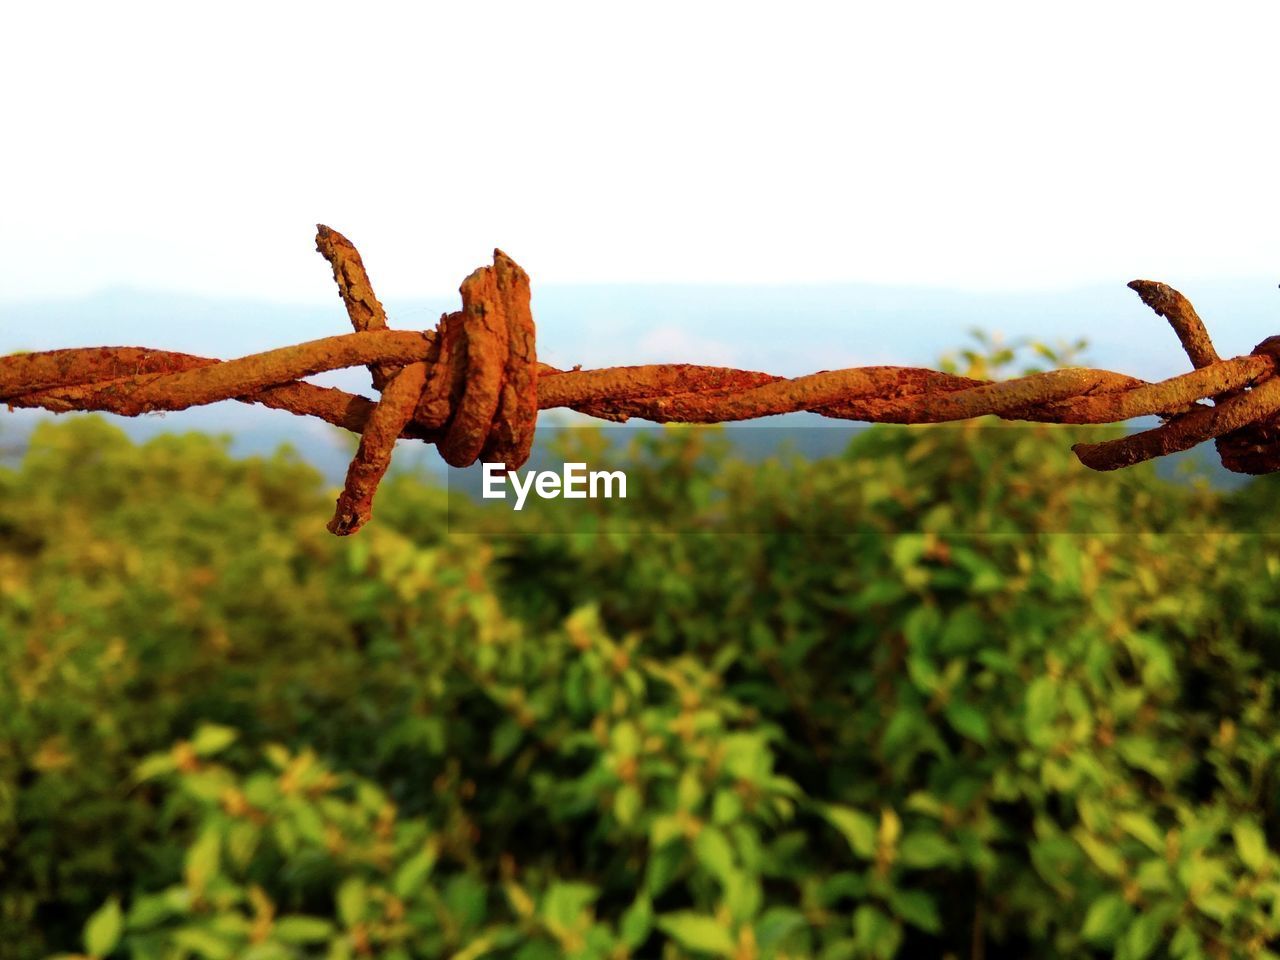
[1254, 449]
[481, 388]
[475, 393]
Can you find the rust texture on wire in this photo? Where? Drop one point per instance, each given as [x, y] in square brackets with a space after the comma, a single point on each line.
[473, 386]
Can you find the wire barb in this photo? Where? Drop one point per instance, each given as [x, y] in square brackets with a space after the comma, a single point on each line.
[473, 386]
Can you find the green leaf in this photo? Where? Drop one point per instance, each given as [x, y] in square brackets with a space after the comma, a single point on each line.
[564, 903]
[203, 943]
[926, 803]
[925, 849]
[846, 885]
[506, 737]
[286, 837]
[726, 807]
[776, 925]
[299, 930]
[968, 721]
[663, 830]
[102, 930]
[309, 823]
[1145, 753]
[858, 828]
[242, 842]
[1214, 903]
[626, 739]
[352, 898]
[1142, 937]
[662, 868]
[475, 949]
[203, 859]
[907, 549]
[1154, 876]
[536, 950]
[714, 852]
[150, 909]
[155, 765]
[923, 673]
[966, 628]
[637, 922]
[627, 804]
[921, 625]
[1042, 709]
[876, 933]
[742, 895]
[466, 896]
[277, 755]
[1142, 828]
[409, 878]
[1251, 844]
[208, 785]
[689, 792]
[268, 950]
[1106, 918]
[1102, 854]
[1186, 943]
[693, 931]
[917, 908]
[211, 738]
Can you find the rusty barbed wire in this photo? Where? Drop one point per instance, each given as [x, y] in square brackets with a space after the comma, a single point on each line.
[473, 386]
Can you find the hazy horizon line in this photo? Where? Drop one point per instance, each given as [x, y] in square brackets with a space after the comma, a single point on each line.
[126, 289]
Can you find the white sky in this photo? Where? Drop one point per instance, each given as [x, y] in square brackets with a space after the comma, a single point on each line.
[985, 145]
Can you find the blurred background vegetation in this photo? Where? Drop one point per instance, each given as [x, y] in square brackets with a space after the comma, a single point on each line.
[225, 733]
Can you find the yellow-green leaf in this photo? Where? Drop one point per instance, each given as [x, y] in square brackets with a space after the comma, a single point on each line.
[693, 931]
[1105, 919]
[1251, 844]
[858, 829]
[298, 929]
[103, 929]
[713, 852]
[211, 738]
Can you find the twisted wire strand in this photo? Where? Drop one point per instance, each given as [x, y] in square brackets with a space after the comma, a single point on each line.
[473, 386]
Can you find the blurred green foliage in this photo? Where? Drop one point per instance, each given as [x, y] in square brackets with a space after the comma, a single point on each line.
[226, 734]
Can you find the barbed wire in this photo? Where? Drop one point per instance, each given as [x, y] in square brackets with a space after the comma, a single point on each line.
[473, 386]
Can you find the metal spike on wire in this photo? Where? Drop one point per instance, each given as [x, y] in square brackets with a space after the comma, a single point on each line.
[473, 386]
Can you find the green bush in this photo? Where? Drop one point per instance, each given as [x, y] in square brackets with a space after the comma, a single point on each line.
[228, 734]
